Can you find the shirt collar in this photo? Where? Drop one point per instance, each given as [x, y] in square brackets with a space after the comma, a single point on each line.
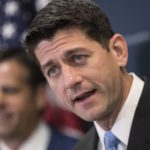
[125, 117]
[38, 140]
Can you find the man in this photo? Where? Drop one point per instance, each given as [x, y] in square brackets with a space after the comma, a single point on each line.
[22, 94]
[84, 63]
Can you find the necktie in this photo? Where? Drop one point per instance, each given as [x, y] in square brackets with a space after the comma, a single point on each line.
[111, 141]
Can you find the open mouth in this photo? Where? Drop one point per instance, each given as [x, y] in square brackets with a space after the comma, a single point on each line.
[85, 96]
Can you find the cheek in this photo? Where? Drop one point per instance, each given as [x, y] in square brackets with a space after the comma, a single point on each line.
[102, 72]
[61, 95]
[57, 89]
[20, 109]
[16, 103]
[20, 102]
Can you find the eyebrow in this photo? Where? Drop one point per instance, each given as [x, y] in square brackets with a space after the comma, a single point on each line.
[74, 51]
[66, 54]
[49, 63]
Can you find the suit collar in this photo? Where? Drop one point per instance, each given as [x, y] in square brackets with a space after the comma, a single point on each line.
[140, 131]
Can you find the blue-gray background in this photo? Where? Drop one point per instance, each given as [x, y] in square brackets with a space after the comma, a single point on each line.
[132, 19]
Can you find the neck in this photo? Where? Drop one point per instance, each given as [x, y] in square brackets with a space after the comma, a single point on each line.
[16, 140]
[108, 121]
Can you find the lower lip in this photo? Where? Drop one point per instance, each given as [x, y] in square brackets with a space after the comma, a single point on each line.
[86, 100]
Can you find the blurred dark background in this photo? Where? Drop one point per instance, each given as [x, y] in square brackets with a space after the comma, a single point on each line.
[132, 19]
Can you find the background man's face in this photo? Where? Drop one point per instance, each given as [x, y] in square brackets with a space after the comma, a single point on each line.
[18, 110]
[82, 74]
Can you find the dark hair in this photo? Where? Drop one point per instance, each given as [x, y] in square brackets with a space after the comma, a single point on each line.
[18, 54]
[61, 14]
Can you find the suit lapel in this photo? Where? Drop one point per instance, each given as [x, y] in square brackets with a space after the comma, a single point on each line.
[139, 138]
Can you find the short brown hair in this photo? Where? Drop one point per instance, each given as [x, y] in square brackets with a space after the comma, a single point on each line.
[61, 14]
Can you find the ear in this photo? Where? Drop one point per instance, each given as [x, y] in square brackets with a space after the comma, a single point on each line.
[118, 47]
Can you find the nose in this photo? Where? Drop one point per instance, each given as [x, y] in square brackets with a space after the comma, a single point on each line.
[71, 77]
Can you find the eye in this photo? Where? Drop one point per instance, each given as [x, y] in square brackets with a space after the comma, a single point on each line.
[78, 58]
[11, 90]
[53, 71]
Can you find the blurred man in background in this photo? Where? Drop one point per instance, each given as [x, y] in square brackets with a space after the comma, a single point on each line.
[22, 103]
[15, 17]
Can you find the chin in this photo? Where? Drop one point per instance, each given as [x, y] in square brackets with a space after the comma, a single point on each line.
[90, 117]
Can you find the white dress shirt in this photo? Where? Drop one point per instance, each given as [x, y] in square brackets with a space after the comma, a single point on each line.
[122, 125]
[39, 140]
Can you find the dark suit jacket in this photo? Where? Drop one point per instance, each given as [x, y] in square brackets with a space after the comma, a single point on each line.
[59, 141]
[139, 138]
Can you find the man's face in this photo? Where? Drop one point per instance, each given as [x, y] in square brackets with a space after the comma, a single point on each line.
[18, 110]
[82, 74]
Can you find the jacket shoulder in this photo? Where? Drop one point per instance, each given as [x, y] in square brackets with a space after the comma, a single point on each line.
[61, 141]
[88, 142]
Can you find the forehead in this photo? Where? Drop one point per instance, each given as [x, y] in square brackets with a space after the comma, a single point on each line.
[62, 37]
[12, 71]
[63, 40]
